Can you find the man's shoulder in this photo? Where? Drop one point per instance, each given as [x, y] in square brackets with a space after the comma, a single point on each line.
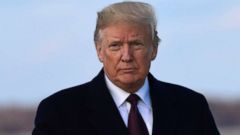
[181, 96]
[76, 95]
[176, 91]
[180, 89]
[69, 95]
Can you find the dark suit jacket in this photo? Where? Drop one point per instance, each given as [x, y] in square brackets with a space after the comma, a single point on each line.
[89, 109]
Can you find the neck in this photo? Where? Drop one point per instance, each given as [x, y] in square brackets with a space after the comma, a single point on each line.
[131, 88]
[127, 87]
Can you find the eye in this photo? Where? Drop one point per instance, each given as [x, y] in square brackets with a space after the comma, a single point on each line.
[137, 45]
[114, 46]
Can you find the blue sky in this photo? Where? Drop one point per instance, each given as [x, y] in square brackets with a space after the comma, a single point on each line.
[48, 45]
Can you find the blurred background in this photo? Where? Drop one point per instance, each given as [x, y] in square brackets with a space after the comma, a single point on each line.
[47, 45]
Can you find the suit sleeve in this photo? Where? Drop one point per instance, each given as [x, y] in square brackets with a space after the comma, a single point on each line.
[47, 120]
[209, 126]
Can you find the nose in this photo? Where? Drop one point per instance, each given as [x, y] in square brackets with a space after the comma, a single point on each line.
[126, 53]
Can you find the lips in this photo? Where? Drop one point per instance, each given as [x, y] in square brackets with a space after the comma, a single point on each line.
[128, 70]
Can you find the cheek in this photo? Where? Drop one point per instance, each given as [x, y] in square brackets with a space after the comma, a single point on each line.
[105, 55]
[144, 57]
[110, 59]
[143, 61]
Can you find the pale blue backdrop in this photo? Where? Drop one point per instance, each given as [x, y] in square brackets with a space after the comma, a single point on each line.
[47, 45]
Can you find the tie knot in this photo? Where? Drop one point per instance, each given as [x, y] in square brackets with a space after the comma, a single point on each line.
[133, 99]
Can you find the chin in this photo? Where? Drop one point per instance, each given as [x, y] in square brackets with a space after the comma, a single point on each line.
[128, 79]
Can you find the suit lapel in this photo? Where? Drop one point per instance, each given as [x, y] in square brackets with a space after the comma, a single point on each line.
[106, 119]
[104, 114]
[164, 117]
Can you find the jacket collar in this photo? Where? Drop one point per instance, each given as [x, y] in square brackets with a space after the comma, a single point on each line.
[163, 104]
[105, 115]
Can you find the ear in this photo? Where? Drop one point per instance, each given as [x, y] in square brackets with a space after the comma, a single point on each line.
[99, 52]
[154, 52]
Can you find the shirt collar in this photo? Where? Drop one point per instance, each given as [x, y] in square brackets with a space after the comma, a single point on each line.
[120, 96]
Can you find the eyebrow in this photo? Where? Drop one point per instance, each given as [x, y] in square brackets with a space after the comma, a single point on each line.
[136, 40]
[130, 41]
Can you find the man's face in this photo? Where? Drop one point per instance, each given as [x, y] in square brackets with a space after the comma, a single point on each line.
[126, 51]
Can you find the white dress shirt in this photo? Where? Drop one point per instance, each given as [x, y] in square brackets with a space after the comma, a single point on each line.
[144, 105]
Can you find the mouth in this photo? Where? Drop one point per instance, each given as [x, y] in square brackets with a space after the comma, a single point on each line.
[128, 70]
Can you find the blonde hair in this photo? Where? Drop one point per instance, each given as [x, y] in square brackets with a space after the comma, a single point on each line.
[136, 12]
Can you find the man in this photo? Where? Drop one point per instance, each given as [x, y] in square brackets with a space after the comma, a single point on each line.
[124, 98]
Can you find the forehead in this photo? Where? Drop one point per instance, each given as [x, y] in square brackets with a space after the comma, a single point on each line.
[125, 30]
